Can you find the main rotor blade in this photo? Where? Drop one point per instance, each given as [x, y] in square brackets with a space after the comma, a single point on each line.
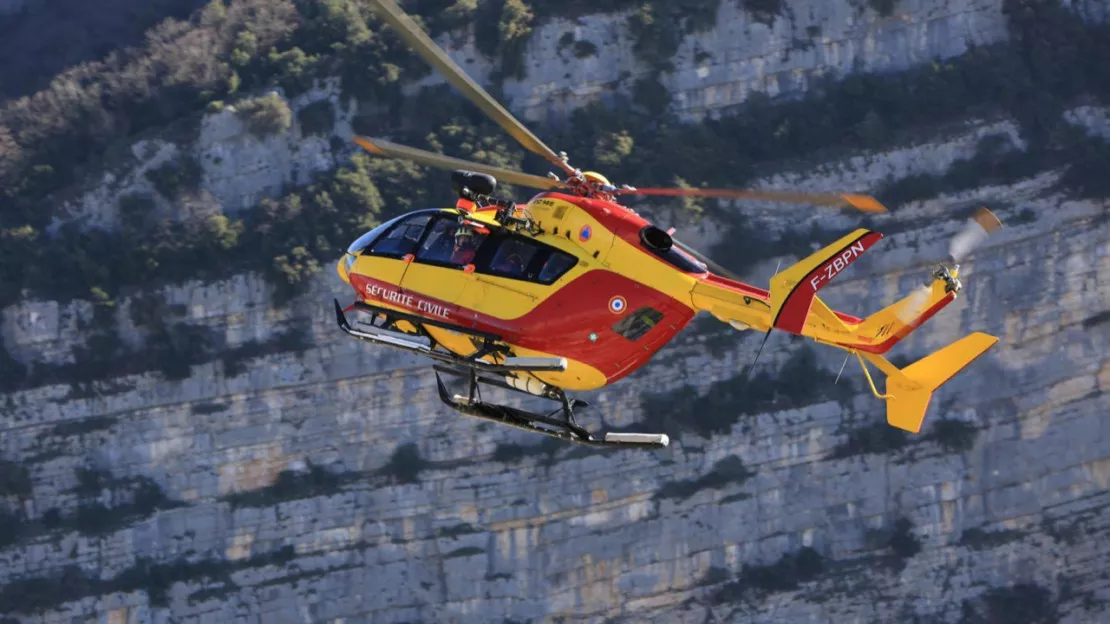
[426, 48]
[860, 202]
[382, 147]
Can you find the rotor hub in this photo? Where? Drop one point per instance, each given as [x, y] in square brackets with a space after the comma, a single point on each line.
[951, 282]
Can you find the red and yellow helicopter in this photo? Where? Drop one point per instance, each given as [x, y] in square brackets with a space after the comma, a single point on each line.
[573, 291]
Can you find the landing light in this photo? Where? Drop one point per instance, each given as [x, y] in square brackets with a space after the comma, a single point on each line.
[343, 267]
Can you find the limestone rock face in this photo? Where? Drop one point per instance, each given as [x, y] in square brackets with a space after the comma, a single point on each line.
[745, 52]
[332, 484]
[240, 169]
[301, 476]
[237, 167]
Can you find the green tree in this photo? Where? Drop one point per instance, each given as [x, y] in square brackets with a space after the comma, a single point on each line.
[355, 194]
[266, 115]
[223, 233]
[333, 25]
[656, 36]
[18, 251]
[296, 267]
[11, 155]
[612, 147]
[872, 130]
[514, 28]
[460, 13]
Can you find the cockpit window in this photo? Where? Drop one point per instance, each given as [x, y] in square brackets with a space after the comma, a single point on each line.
[402, 239]
[362, 241]
[450, 243]
[367, 239]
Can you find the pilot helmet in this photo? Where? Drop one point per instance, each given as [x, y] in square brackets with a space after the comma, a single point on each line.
[596, 178]
[464, 237]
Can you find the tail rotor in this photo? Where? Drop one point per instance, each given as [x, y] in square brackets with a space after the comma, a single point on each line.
[979, 226]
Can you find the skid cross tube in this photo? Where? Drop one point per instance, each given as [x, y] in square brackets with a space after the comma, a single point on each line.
[564, 428]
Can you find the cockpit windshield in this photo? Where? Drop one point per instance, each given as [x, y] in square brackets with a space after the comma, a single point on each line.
[366, 239]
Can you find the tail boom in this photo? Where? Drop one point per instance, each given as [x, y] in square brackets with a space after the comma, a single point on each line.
[732, 302]
[879, 333]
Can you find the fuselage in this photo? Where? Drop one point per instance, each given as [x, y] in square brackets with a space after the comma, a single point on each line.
[588, 288]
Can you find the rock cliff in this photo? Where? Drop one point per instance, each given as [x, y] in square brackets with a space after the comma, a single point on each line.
[776, 53]
[301, 476]
[765, 47]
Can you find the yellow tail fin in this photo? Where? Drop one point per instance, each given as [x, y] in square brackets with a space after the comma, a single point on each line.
[794, 289]
[909, 390]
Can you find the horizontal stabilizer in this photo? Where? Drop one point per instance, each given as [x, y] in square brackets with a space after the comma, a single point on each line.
[910, 389]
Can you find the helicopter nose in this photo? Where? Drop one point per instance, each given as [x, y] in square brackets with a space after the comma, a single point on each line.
[343, 267]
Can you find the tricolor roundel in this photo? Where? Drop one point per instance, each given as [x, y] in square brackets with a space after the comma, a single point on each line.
[617, 305]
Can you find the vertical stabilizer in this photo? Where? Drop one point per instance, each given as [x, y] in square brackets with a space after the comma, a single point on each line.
[794, 289]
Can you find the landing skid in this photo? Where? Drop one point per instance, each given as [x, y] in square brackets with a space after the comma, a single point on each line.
[559, 423]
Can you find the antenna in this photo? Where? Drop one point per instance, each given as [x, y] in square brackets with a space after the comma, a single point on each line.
[757, 353]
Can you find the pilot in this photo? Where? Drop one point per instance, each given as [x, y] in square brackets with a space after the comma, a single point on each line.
[466, 246]
[510, 264]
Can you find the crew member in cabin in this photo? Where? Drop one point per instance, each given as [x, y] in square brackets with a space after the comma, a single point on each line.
[466, 246]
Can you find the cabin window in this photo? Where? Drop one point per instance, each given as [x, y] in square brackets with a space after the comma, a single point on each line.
[450, 243]
[513, 257]
[557, 264]
[402, 239]
[516, 257]
[640, 322]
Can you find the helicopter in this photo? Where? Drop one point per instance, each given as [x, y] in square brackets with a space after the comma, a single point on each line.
[572, 291]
